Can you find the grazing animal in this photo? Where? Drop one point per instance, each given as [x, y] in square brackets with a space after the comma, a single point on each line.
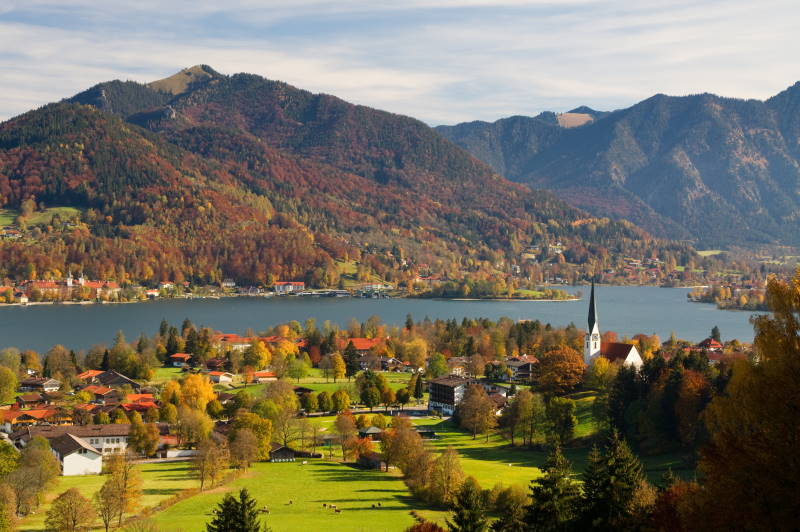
[373, 506]
[324, 505]
[338, 511]
[305, 462]
[333, 506]
[379, 505]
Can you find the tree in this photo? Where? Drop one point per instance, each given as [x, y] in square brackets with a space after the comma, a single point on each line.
[8, 459]
[555, 497]
[340, 401]
[309, 402]
[345, 426]
[560, 370]
[352, 360]
[298, 369]
[143, 438]
[8, 505]
[243, 448]
[338, 366]
[211, 462]
[8, 385]
[469, 509]
[197, 391]
[610, 484]
[70, 512]
[446, 477]
[419, 388]
[193, 425]
[437, 366]
[476, 412]
[715, 334]
[403, 397]
[324, 401]
[107, 503]
[561, 418]
[167, 413]
[261, 429]
[510, 505]
[126, 481]
[371, 397]
[37, 470]
[232, 515]
[751, 457]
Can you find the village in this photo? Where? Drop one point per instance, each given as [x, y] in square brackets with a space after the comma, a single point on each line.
[219, 403]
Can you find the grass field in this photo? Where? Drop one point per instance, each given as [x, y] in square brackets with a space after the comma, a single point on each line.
[710, 252]
[9, 216]
[166, 374]
[308, 486]
[160, 481]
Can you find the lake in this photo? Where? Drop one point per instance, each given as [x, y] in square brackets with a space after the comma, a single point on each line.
[628, 310]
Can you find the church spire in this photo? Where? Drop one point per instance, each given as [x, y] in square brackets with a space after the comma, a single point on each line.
[592, 311]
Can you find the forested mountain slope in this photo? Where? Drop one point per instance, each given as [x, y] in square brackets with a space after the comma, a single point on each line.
[204, 176]
[717, 170]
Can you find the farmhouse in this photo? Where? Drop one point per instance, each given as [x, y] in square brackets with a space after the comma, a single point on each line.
[264, 376]
[39, 384]
[76, 456]
[106, 439]
[179, 359]
[709, 344]
[220, 377]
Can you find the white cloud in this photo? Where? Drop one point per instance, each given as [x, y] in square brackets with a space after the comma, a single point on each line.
[441, 61]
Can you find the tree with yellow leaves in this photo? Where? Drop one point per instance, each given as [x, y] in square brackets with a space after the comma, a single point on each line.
[751, 466]
[197, 391]
[257, 355]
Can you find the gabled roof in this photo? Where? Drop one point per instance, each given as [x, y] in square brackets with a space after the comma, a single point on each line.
[371, 430]
[181, 356]
[97, 390]
[363, 344]
[68, 443]
[615, 351]
[90, 374]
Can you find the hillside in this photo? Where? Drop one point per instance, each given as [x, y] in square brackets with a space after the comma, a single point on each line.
[254, 179]
[716, 170]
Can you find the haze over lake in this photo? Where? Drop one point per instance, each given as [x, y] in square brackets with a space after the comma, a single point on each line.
[627, 310]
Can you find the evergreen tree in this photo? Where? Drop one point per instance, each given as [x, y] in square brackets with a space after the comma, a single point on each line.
[105, 365]
[163, 329]
[419, 390]
[610, 483]
[715, 334]
[554, 497]
[469, 509]
[351, 360]
[232, 515]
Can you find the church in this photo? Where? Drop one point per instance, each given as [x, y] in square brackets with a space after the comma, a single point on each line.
[615, 352]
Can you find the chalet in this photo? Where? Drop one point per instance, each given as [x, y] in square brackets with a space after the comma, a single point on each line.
[521, 367]
[14, 419]
[31, 400]
[286, 287]
[615, 352]
[180, 359]
[279, 453]
[76, 455]
[457, 366]
[711, 345]
[391, 364]
[446, 393]
[264, 376]
[89, 375]
[220, 377]
[39, 384]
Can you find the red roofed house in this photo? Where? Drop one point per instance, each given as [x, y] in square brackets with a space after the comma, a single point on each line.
[90, 374]
[231, 341]
[264, 376]
[709, 344]
[179, 359]
[615, 352]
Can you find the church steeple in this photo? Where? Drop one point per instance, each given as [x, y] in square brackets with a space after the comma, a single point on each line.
[592, 346]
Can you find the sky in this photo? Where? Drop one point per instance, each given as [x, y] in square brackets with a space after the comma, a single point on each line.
[443, 62]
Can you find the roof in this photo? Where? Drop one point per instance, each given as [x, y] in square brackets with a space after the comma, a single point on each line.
[181, 356]
[363, 344]
[82, 431]
[219, 373]
[452, 381]
[265, 374]
[614, 351]
[371, 430]
[139, 397]
[592, 311]
[39, 381]
[97, 390]
[289, 283]
[710, 343]
[69, 443]
[36, 413]
[112, 378]
[90, 374]
[30, 397]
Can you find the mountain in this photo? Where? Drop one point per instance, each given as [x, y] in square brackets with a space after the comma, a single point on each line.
[719, 171]
[203, 176]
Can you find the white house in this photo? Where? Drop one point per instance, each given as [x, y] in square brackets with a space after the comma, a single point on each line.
[77, 457]
[446, 393]
[220, 377]
[285, 287]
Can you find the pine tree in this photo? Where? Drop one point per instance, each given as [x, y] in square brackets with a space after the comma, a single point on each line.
[469, 509]
[554, 497]
[610, 483]
[232, 515]
[419, 390]
[352, 363]
[105, 365]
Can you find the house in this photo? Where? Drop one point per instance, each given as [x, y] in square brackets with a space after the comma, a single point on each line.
[180, 359]
[521, 368]
[76, 456]
[457, 366]
[11, 420]
[373, 433]
[446, 393]
[615, 352]
[229, 283]
[220, 377]
[264, 376]
[102, 394]
[108, 378]
[232, 342]
[106, 439]
[279, 453]
[286, 287]
[31, 400]
[711, 345]
[39, 384]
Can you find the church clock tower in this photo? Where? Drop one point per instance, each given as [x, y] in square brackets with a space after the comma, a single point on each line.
[592, 346]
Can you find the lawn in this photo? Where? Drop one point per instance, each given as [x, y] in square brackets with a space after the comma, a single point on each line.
[8, 216]
[295, 493]
[162, 375]
[160, 481]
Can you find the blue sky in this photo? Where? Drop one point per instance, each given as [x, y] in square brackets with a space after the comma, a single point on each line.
[441, 61]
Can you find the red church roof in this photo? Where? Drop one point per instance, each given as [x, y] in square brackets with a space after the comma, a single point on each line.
[615, 351]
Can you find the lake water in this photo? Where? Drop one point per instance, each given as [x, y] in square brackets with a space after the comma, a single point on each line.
[628, 310]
